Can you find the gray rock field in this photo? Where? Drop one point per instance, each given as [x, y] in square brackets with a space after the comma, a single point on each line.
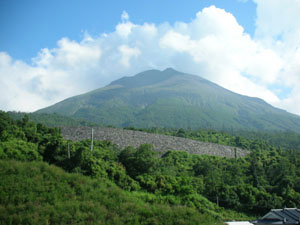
[161, 143]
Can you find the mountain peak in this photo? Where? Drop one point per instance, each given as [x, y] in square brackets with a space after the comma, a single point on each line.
[170, 98]
[170, 69]
[146, 78]
[171, 72]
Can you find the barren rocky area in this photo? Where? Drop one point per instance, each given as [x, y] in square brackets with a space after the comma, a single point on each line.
[161, 143]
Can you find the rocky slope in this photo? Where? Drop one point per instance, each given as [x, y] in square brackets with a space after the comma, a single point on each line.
[161, 143]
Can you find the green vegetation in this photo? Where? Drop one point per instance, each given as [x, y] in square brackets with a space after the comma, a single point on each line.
[36, 193]
[136, 186]
[255, 184]
[174, 100]
[97, 189]
[51, 120]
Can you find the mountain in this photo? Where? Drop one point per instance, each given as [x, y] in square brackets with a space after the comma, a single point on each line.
[174, 99]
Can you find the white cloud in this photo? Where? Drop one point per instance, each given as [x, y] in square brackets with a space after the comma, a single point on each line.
[278, 27]
[212, 45]
[217, 43]
[19, 85]
[127, 54]
[124, 29]
[177, 41]
[124, 16]
[54, 75]
[291, 103]
[277, 19]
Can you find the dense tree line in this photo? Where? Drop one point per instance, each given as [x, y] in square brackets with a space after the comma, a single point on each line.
[205, 188]
[51, 120]
[261, 181]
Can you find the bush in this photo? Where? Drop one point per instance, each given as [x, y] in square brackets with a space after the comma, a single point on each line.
[19, 150]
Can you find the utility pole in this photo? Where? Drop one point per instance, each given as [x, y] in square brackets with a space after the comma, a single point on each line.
[69, 155]
[235, 153]
[92, 141]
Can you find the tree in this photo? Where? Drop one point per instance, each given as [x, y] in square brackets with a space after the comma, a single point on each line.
[139, 161]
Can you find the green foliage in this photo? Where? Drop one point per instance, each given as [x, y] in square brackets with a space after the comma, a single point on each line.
[51, 120]
[263, 180]
[5, 121]
[19, 150]
[100, 163]
[139, 161]
[176, 188]
[36, 193]
[26, 141]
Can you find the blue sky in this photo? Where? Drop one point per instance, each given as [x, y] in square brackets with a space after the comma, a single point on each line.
[34, 24]
[51, 50]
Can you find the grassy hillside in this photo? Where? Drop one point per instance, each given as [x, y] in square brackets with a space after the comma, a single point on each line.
[175, 100]
[36, 193]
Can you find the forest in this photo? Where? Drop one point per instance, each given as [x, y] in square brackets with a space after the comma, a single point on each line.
[47, 179]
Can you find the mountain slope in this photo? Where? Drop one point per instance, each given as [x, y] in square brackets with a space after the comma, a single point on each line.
[173, 99]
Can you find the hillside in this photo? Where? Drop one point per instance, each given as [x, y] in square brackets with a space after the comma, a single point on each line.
[36, 193]
[161, 143]
[135, 185]
[173, 99]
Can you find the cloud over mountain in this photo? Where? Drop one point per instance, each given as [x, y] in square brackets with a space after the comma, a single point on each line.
[212, 45]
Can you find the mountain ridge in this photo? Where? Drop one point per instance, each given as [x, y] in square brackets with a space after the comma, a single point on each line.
[170, 98]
